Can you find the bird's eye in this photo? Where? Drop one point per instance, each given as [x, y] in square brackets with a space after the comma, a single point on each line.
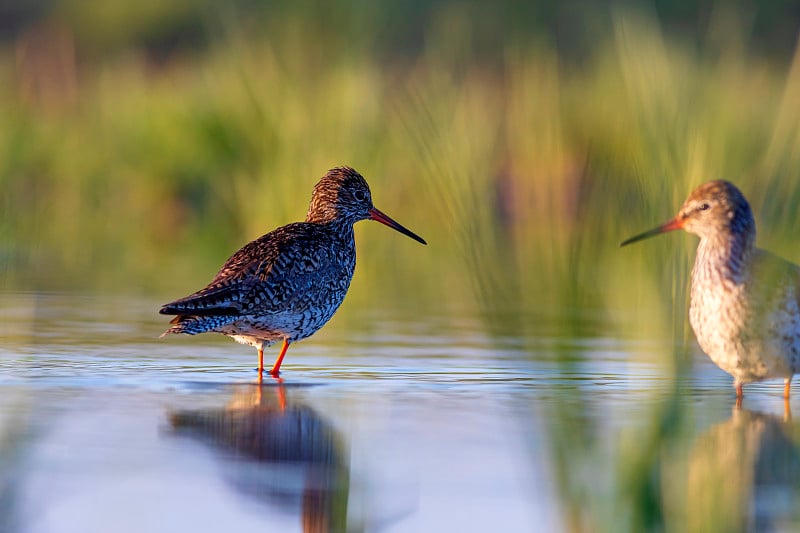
[360, 196]
[704, 207]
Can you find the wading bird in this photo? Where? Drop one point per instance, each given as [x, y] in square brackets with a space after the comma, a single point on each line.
[288, 283]
[744, 302]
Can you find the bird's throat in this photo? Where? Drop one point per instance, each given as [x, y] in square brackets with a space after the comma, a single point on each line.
[724, 257]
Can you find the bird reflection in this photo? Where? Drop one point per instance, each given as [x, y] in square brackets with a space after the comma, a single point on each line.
[281, 451]
[744, 474]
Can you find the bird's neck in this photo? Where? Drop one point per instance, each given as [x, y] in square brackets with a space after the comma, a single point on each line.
[321, 216]
[339, 226]
[725, 255]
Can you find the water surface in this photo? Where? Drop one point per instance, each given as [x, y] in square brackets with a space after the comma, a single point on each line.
[385, 422]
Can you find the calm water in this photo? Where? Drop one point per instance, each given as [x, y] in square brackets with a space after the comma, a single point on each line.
[382, 423]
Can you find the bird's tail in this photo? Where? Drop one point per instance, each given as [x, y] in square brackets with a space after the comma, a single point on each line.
[192, 325]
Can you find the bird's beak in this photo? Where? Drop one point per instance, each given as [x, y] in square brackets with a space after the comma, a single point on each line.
[374, 214]
[671, 225]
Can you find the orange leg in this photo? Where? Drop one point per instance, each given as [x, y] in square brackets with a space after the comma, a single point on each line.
[739, 391]
[277, 366]
[260, 360]
[787, 388]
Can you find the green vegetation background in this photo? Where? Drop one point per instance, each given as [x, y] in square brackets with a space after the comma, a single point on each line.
[144, 142]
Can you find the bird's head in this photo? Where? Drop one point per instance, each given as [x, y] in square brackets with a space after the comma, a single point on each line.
[343, 195]
[717, 208]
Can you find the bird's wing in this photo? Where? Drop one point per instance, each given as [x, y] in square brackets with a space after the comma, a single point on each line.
[215, 299]
[776, 275]
[269, 274]
[303, 262]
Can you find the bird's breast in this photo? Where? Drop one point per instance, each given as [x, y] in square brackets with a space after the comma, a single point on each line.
[749, 329]
[717, 314]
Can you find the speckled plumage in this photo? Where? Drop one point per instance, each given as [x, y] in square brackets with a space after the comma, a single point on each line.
[288, 283]
[744, 302]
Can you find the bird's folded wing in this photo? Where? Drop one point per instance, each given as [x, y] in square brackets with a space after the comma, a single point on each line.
[216, 299]
[271, 274]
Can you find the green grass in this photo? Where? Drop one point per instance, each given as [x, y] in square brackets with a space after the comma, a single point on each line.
[523, 176]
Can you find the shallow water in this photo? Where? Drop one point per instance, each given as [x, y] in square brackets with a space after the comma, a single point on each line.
[392, 424]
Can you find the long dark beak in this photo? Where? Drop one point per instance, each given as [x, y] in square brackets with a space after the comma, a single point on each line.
[671, 225]
[374, 214]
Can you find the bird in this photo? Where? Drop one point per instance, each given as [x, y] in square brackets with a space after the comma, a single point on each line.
[744, 302]
[286, 284]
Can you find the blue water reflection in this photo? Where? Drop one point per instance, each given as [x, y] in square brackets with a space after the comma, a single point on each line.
[375, 427]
